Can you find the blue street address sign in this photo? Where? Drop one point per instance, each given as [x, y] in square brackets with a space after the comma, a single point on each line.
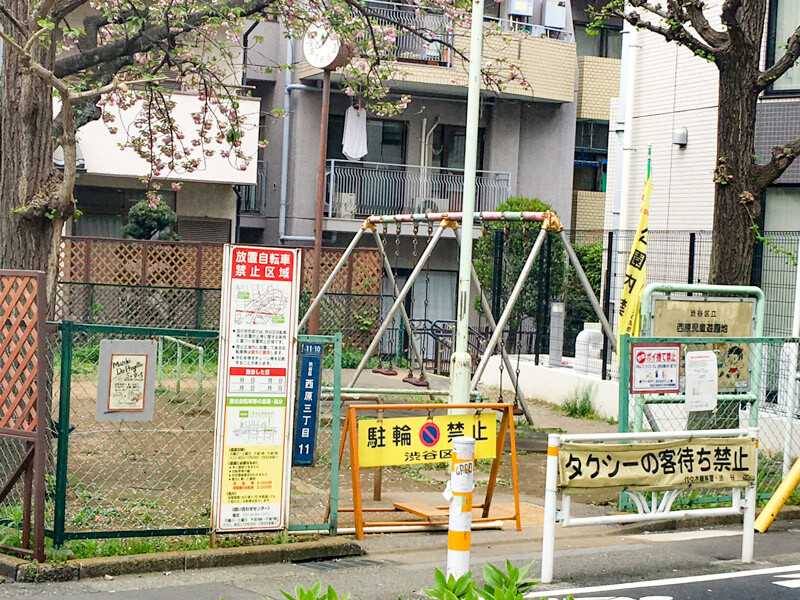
[305, 435]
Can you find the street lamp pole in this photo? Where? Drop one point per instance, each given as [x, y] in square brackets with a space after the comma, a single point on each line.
[462, 361]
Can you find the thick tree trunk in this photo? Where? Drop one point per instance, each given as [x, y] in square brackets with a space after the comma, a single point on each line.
[26, 160]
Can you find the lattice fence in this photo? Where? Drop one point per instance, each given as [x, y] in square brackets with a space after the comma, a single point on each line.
[176, 284]
[23, 413]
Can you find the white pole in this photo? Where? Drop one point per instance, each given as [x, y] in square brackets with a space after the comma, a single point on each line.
[550, 504]
[459, 525]
[462, 362]
[751, 497]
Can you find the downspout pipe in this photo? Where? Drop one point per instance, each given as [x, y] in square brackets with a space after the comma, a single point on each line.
[289, 87]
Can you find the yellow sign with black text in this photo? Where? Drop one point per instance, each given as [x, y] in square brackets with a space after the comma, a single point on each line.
[417, 440]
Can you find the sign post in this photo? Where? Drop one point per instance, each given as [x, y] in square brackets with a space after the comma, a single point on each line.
[255, 388]
[459, 494]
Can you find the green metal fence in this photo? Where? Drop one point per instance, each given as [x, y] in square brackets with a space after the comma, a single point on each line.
[757, 388]
[154, 478]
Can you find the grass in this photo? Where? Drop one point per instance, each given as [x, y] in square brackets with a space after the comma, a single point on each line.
[578, 405]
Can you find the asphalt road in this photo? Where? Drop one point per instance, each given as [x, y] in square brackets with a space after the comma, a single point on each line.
[593, 566]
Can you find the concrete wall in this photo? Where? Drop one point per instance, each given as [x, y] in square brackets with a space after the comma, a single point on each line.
[546, 154]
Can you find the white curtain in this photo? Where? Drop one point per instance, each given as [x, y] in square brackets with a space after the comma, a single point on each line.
[787, 22]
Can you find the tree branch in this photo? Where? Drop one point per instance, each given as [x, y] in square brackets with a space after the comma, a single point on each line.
[782, 158]
[14, 21]
[150, 37]
[783, 64]
[700, 24]
[676, 33]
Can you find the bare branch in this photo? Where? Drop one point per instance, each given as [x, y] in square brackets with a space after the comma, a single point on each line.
[676, 33]
[65, 7]
[700, 24]
[14, 21]
[783, 64]
[782, 158]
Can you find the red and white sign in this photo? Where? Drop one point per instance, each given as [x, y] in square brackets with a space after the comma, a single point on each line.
[655, 368]
[255, 388]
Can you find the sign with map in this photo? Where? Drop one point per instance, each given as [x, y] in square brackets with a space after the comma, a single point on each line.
[258, 329]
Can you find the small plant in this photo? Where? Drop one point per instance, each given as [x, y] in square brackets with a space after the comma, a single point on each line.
[511, 585]
[579, 403]
[450, 588]
[314, 593]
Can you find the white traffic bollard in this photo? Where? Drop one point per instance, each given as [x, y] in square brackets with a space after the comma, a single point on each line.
[550, 508]
[460, 492]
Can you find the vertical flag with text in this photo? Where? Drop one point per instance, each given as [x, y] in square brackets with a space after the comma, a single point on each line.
[636, 270]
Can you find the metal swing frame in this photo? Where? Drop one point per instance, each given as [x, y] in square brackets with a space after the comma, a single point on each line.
[450, 220]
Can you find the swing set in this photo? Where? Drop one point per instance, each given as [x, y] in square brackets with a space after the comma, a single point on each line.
[449, 222]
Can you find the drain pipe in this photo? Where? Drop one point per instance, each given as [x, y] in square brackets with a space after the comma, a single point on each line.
[287, 127]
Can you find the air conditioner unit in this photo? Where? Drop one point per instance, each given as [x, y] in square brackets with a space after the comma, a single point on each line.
[344, 207]
[554, 14]
[434, 205]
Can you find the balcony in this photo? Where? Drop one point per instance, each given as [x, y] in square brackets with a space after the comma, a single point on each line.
[359, 189]
[545, 56]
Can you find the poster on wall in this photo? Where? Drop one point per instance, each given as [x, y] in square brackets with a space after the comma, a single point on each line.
[255, 388]
[127, 380]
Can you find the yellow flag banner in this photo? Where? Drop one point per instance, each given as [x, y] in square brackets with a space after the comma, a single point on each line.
[635, 273]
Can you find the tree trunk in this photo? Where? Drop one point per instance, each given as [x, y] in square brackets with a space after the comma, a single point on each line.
[738, 200]
[26, 160]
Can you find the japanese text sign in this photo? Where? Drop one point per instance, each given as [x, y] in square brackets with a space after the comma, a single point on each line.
[695, 463]
[416, 440]
[655, 368]
[255, 388]
[305, 435]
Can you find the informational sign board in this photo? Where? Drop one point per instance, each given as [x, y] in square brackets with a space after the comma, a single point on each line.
[701, 380]
[417, 440]
[695, 463]
[305, 435]
[127, 380]
[701, 317]
[655, 368]
[255, 388]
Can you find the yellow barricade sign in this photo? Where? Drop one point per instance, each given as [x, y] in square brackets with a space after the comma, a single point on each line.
[417, 440]
[696, 463]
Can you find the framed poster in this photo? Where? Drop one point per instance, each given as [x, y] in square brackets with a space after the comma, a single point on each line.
[255, 388]
[127, 380]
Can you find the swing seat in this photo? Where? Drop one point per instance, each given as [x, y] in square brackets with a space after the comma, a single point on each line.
[385, 371]
[417, 381]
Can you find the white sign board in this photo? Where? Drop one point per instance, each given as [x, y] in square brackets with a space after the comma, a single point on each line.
[126, 382]
[655, 368]
[255, 388]
[702, 377]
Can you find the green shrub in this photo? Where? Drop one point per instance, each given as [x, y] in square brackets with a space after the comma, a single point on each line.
[578, 404]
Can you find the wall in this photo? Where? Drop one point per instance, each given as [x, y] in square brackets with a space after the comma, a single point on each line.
[598, 83]
[546, 154]
[587, 210]
[104, 157]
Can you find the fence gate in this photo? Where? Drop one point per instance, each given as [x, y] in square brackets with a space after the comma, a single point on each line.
[23, 406]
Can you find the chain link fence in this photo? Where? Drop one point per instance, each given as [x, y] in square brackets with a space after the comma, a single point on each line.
[154, 478]
[757, 387]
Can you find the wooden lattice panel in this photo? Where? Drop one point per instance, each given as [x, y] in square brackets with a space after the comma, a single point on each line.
[116, 262]
[171, 265]
[211, 267]
[18, 352]
[366, 272]
[72, 261]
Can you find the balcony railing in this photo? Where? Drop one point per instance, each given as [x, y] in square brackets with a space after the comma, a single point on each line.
[254, 197]
[359, 189]
[410, 47]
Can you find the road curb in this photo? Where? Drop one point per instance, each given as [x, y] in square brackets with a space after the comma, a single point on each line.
[17, 569]
[788, 513]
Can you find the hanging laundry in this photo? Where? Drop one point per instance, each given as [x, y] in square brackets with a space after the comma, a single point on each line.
[354, 139]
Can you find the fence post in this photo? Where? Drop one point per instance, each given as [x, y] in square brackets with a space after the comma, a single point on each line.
[333, 523]
[607, 302]
[497, 273]
[199, 319]
[624, 353]
[62, 446]
[692, 245]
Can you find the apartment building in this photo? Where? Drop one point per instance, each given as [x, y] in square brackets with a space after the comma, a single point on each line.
[669, 99]
[415, 160]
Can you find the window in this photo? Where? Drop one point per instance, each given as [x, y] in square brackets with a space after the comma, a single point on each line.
[606, 43]
[449, 146]
[105, 210]
[385, 140]
[784, 19]
[591, 156]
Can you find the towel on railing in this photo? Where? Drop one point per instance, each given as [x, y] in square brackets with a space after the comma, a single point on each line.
[354, 138]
